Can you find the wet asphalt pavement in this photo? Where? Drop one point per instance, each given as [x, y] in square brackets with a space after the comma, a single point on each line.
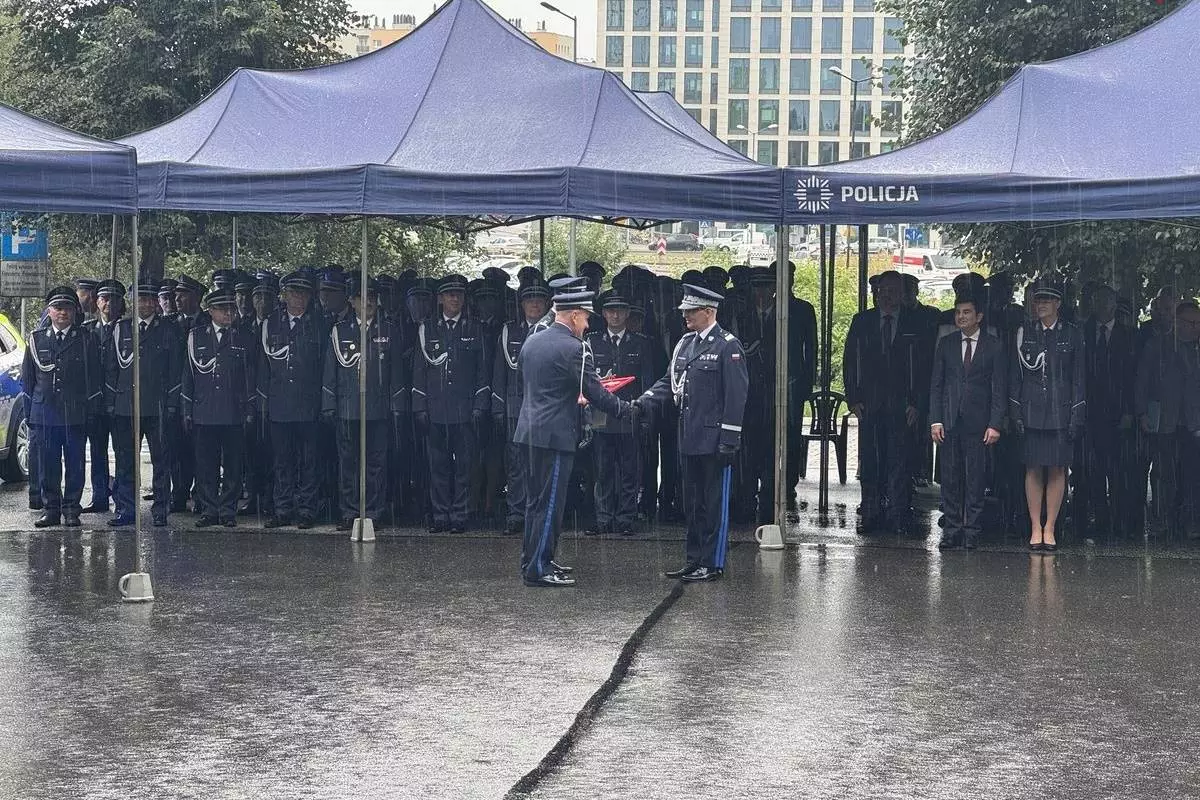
[294, 666]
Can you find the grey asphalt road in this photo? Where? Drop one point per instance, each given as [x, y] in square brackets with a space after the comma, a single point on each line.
[297, 666]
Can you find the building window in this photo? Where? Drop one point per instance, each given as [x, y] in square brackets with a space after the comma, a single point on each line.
[768, 115]
[860, 149]
[715, 54]
[801, 5]
[893, 29]
[666, 51]
[798, 116]
[739, 115]
[639, 51]
[641, 15]
[716, 16]
[693, 88]
[739, 75]
[887, 147]
[831, 35]
[860, 70]
[797, 154]
[770, 29]
[712, 121]
[614, 51]
[831, 116]
[768, 75]
[830, 83]
[891, 114]
[739, 5]
[862, 35]
[831, 5]
[798, 76]
[801, 34]
[827, 152]
[860, 121]
[891, 72]
[713, 81]
[693, 51]
[772, 5]
[667, 11]
[739, 35]
[694, 113]
[616, 15]
[666, 82]
[768, 151]
[694, 10]
[864, 5]
[640, 81]
[738, 144]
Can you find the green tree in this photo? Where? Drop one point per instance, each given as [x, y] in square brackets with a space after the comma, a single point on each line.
[967, 50]
[604, 244]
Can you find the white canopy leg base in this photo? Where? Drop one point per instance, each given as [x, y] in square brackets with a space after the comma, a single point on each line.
[135, 587]
[363, 531]
[769, 537]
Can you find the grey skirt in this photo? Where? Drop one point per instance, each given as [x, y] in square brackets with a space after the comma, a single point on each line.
[1048, 448]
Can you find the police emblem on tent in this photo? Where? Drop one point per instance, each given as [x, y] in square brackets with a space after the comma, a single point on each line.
[813, 194]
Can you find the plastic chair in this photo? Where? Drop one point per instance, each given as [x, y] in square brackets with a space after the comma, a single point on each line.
[824, 409]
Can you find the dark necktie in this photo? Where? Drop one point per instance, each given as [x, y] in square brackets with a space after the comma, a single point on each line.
[220, 336]
[142, 325]
[887, 333]
[967, 355]
[61, 335]
[616, 341]
[450, 325]
[292, 322]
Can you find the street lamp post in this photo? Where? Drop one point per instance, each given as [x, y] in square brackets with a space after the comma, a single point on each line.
[863, 232]
[573, 231]
[774, 126]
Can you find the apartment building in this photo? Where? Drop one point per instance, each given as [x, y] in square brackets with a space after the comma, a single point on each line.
[763, 74]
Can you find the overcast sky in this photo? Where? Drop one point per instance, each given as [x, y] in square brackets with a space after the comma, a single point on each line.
[529, 11]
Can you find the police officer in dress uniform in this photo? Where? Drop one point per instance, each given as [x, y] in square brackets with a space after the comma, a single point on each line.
[618, 352]
[707, 380]
[506, 394]
[61, 376]
[291, 345]
[487, 476]
[217, 401]
[110, 307]
[555, 370]
[669, 329]
[85, 292]
[189, 314]
[160, 372]
[385, 399]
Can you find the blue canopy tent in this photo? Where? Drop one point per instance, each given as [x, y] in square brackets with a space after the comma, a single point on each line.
[1104, 134]
[465, 116]
[665, 105]
[46, 168]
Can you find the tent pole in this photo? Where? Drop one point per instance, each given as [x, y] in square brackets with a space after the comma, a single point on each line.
[136, 587]
[112, 256]
[828, 259]
[783, 297]
[364, 526]
[863, 257]
[542, 245]
[571, 232]
[235, 242]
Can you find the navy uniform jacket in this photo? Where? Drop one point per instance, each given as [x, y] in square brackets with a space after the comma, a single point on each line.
[1048, 386]
[633, 357]
[62, 381]
[1167, 392]
[708, 380]
[968, 401]
[385, 379]
[554, 371]
[218, 382]
[890, 381]
[450, 371]
[102, 332]
[758, 339]
[506, 384]
[1111, 373]
[290, 368]
[161, 367]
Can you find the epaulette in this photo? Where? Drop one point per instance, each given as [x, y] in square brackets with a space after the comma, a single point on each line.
[729, 337]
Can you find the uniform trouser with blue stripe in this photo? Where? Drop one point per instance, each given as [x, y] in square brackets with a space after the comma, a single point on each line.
[548, 474]
[706, 487]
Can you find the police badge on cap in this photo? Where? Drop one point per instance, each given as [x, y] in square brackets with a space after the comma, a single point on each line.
[61, 296]
[699, 297]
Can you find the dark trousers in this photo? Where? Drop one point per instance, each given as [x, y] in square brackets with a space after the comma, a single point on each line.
[1175, 480]
[964, 472]
[487, 470]
[218, 468]
[648, 448]
[758, 470]
[296, 487]
[706, 490]
[348, 451]
[259, 467]
[1098, 493]
[517, 467]
[419, 473]
[183, 468]
[97, 437]
[62, 450]
[35, 466]
[451, 448]
[617, 478]
[669, 485]
[884, 462]
[548, 475]
[124, 490]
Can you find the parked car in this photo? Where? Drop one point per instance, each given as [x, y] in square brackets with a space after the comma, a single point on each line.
[726, 239]
[14, 428]
[677, 241]
[500, 243]
[882, 244]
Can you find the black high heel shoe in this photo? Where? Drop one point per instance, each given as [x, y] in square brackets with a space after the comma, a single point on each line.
[1049, 547]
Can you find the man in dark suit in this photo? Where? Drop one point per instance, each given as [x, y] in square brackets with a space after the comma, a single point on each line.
[707, 380]
[967, 402]
[189, 314]
[885, 370]
[110, 307]
[555, 369]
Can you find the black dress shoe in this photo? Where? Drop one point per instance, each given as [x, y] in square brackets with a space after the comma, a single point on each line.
[554, 581]
[565, 570]
[948, 543]
[304, 522]
[248, 507]
[701, 574]
[597, 530]
[160, 520]
[1050, 547]
[276, 522]
[71, 521]
[121, 521]
[206, 521]
[969, 544]
[458, 527]
[229, 523]
[345, 525]
[95, 508]
[148, 496]
[514, 525]
[178, 508]
[625, 530]
[679, 573]
[436, 527]
[47, 521]
[35, 504]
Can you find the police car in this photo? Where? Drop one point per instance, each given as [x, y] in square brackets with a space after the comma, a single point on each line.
[14, 430]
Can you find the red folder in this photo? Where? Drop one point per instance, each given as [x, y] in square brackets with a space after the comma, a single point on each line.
[612, 384]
